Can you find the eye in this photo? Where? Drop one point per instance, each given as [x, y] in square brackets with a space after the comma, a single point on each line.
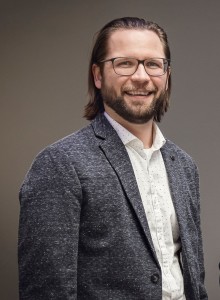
[124, 63]
[154, 64]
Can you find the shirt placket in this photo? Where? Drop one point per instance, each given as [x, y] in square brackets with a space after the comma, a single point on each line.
[154, 180]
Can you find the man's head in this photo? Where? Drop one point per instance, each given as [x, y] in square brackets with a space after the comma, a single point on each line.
[136, 88]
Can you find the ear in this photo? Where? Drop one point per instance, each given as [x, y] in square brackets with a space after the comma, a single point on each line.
[97, 76]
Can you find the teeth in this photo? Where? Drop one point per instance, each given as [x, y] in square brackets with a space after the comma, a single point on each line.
[138, 93]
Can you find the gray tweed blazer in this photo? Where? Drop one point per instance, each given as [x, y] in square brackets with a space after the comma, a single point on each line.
[83, 231]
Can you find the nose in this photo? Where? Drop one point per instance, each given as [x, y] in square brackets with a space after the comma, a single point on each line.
[140, 74]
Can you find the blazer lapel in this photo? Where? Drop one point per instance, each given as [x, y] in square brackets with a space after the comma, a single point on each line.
[116, 154]
[178, 186]
[181, 199]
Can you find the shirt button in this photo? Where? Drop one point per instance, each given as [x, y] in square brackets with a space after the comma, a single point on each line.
[155, 278]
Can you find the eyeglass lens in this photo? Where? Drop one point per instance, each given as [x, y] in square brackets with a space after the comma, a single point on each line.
[128, 66]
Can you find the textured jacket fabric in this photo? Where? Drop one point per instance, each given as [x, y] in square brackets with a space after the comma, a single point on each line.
[83, 231]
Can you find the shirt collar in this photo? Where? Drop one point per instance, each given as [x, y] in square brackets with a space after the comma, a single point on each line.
[128, 138]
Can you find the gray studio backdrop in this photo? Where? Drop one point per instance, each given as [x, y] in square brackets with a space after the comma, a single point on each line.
[44, 53]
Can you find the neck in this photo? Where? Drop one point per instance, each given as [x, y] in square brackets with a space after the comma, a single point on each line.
[143, 132]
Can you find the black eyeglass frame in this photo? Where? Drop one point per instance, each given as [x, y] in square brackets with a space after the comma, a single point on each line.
[166, 63]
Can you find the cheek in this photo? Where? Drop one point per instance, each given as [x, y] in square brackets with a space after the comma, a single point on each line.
[115, 84]
[160, 83]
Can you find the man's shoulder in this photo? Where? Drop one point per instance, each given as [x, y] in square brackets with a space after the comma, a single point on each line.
[174, 150]
[84, 137]
[74, 144]
[171, 146]
[77, 138]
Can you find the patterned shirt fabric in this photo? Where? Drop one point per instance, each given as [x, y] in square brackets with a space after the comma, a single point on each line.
[151, 176]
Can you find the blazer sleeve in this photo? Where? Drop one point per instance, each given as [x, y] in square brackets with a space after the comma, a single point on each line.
[202, 290]
[50, 204]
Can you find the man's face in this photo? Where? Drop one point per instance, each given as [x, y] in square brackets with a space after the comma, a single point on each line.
[133, 98]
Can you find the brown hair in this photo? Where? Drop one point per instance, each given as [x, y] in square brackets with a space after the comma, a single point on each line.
[99, 52]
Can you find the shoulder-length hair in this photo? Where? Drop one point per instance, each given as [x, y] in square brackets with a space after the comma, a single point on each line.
[99, 52]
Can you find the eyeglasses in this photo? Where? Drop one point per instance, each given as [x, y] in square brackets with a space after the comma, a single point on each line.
[127, 66]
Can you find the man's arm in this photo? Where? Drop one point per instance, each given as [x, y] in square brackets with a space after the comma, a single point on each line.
[202, 291]
[50, 200]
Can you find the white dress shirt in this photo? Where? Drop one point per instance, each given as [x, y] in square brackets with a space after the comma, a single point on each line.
[151, 176]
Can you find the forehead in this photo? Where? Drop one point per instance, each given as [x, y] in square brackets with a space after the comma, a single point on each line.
[134, 42]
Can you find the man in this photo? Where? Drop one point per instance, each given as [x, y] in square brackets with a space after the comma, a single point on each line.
[112, 211]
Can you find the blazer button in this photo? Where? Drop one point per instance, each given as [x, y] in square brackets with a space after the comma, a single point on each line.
[155, 278]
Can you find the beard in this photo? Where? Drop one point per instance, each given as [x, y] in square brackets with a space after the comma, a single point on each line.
[138, 112]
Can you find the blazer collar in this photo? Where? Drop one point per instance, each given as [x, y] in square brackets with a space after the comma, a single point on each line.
[116, 154]
[176, 166]
[178, 183]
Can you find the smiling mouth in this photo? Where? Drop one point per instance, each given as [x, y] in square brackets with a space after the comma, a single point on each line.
[139, 93]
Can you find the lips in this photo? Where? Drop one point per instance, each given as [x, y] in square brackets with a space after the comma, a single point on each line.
[139, 93]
